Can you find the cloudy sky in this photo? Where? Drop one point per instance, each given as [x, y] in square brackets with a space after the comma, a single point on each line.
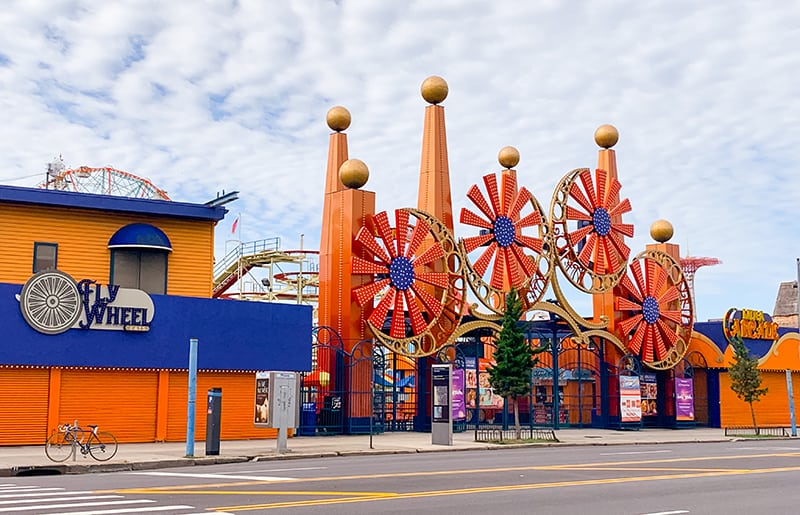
[201, 97]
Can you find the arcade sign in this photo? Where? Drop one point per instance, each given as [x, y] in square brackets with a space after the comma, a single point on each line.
[52, 302]
[749, 324]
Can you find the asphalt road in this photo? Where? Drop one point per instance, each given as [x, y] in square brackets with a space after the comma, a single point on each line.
[721, 478]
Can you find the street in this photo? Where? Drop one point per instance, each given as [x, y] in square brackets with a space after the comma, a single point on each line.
[701, 478]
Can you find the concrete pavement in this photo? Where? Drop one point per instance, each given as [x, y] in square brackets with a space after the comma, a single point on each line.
[32, 460]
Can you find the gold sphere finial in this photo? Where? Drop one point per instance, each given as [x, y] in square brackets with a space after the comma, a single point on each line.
[338, 118]
[661, 231]
[354, 173]
[434, 89]
[606, 136]
[508, 157]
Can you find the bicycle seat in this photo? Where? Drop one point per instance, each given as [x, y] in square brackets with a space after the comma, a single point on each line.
[92, 426]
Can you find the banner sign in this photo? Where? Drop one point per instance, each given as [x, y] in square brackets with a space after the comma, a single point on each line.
[459, 401]
[630, 400]
[684, 398]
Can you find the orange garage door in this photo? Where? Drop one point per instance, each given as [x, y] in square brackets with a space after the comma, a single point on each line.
[23, 408]
[120, 401]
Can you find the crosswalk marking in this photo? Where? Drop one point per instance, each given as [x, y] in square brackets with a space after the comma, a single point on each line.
[71, 498]
[139, 509]
[75, 505]
[40, 492]
[28, 499]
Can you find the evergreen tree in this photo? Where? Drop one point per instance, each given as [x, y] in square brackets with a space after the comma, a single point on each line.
[745, 377]
[514, 358]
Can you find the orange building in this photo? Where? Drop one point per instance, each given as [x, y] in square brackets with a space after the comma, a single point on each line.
[99, 297]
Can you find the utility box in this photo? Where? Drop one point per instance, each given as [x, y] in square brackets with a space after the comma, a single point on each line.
[213, 421]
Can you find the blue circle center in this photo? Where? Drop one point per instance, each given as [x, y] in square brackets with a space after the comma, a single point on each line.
[650, 310]
[401, 273]
[601, 221]
[504, 232]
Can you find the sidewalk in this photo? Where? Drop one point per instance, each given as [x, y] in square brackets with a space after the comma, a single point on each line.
[32, 460]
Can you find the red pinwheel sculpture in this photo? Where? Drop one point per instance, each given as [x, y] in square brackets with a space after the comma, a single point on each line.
[656, 307]
[505, 244]
[595, 243]
[402, 274]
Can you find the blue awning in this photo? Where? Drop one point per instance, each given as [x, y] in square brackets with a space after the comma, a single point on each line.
[143, 236]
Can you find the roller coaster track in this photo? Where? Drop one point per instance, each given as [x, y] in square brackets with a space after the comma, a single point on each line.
[265, 253]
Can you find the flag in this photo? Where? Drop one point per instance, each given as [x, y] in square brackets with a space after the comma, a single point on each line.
[235, 225]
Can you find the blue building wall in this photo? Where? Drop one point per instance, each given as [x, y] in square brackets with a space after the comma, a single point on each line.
[233, 335]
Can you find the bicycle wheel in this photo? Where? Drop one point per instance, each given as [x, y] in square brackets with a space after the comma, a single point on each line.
[59, 446]
[102, 446]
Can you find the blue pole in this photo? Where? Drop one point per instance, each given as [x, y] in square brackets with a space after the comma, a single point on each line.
[190, 414]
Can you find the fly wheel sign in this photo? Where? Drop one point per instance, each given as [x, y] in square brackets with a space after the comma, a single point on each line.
[52, 302]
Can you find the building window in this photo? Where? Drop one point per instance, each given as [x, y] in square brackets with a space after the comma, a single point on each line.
[45, 256]
[139, 258]
[140, 269]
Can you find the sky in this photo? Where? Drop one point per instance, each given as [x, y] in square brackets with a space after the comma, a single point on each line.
[223, 95]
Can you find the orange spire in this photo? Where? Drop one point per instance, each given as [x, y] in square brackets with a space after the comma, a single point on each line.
[434, 171]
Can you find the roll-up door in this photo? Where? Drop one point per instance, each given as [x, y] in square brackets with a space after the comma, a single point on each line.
[238, 405]
[120, 401]
[23, 405]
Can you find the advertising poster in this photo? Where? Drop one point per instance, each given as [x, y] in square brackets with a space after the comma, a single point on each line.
[262, 398]
[684, 398]
[441, 393]
[649, 389]
[486, 396]
[630, 400]
[471, 383]
[459, 405]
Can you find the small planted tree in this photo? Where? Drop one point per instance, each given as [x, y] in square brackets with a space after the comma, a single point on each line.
[745, 377]
[514, 358]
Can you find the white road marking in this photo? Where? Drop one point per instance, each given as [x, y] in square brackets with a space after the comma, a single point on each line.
[74, 505]
[53, 499]
[41, 492]
[675, 512]
[138, 509]
[214, 476]
[275, 470]
[631, 452]
[25, 489]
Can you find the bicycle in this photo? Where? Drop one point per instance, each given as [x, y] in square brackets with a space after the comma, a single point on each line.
[100, 445]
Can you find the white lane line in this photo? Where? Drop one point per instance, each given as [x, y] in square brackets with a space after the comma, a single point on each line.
[139, 509]
[54, 499]
[41, 493]
[632, 452]
[675, 512]
[75, 505]
[214, 476]
[274, 470]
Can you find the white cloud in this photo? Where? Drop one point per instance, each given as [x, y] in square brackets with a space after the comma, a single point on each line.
[233, 95]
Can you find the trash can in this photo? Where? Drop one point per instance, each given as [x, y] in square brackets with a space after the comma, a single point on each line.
[213, 421]
[308, 420]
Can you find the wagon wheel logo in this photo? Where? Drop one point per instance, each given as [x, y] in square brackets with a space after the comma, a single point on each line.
[50, 302]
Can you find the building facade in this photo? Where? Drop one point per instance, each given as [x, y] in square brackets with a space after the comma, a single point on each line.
[99, 298]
